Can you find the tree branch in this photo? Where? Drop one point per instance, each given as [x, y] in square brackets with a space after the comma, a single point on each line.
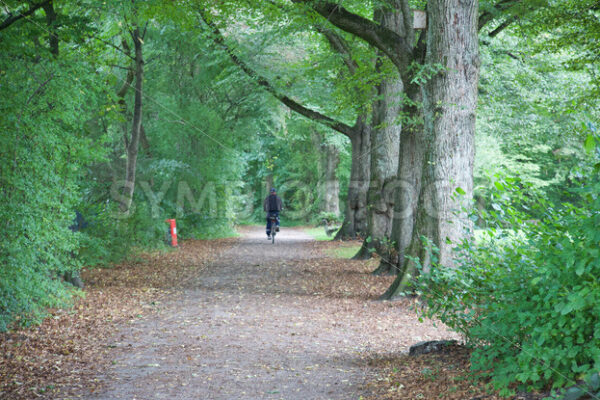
[144, 33]
[290, 103]
[341, 46]
[394, 46]
[14, 18]
[119, 66]
[126, 52]
[507, 22]
[129, 77]
[488, 16]
[37, 91]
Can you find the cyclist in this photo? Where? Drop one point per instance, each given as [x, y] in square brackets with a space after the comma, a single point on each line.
[272, 206]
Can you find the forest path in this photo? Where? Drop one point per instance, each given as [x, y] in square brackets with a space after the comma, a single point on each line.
[264, 322]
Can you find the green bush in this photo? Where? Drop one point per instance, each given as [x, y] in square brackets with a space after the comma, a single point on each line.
[526, 295]
[110, 236]
[328, 217]
[44, 147]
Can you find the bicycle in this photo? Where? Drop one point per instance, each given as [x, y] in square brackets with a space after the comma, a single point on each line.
[273, 219]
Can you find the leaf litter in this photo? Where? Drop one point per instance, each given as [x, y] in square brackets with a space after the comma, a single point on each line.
[243, 317]
[71, 345]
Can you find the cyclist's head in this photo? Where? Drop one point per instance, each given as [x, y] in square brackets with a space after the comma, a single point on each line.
[273, 190]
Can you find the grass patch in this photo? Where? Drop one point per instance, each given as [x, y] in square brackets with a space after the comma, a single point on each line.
[287, 223]
[318, 233]
[343, 251]
[247, 222]
[290, 223]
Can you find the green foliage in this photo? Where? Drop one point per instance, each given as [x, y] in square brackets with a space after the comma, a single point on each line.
[291, 157]
[590, 387]
[44, 148]
[530, 118]
[570, 28]
[329, 218]
[526, 295]
[110, 236]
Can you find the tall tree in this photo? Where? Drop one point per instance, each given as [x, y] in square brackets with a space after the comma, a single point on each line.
[385, 141]
[450, 101]
[449, 119]
[132, 143]
[408, 183]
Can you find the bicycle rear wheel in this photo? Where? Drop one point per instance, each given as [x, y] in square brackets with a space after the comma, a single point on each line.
[272, 236]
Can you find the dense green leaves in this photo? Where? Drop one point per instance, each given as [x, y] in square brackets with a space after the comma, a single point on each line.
[530, 119]
[525, 293]
[45, 145]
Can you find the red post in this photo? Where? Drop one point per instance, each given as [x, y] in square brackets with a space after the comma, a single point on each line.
[172, 231]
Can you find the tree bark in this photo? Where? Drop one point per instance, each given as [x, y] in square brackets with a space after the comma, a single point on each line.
[407, 185]
[331, 197]
[328, 184]
[355, 216]
[385, 140]
[12, 18]
[450, 99]
[330, 159]
[133, 145]
[51, 23]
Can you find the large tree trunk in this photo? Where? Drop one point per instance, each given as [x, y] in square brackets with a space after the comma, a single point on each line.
[408, 185]
[133, 145]
[385, 140]
[355, 218]
[450, 99]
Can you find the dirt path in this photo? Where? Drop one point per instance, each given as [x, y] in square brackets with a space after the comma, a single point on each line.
[264, 322]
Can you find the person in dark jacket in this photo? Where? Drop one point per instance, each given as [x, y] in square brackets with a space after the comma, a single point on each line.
[272, 206]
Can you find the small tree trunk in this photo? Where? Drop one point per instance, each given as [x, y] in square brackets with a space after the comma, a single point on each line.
[268, 184]
[355, 219]
[132, 146]
[51, 23]
[450, 99]
[330, 184]
[74, 278]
